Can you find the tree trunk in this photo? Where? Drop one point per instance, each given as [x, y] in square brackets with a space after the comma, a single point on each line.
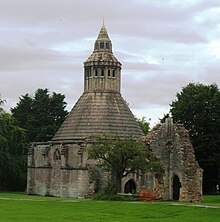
[117, 183]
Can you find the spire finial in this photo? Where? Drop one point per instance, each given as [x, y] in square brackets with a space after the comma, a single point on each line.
[103, 20]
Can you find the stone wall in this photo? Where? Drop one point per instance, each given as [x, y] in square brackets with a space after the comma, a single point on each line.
[183, 176]
[63, 169]
[58, 169]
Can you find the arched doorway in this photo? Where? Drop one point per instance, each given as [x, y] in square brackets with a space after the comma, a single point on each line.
[130, 186]
[176, 187]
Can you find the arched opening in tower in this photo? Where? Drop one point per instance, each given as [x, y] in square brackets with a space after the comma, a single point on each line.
[130, 186]
[176, 187]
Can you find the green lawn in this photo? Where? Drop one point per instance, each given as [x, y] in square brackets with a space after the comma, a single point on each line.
[20, 207]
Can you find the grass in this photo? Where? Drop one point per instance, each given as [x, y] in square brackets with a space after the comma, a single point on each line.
[20, 207]
[212, 200]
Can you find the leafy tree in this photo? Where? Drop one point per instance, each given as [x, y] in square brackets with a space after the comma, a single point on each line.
[1, 103]
[145, 126]
[121, 157]
[198, 108]
[40, 115]
[13, 149]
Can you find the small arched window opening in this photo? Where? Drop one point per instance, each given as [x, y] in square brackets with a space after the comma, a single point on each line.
[102, 45]
[57, 155]
[102, 72]
[107, 45]
[96, 72]
[109, 72]
[113, 73]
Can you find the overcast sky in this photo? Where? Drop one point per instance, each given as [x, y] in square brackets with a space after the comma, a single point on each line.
[162, 44]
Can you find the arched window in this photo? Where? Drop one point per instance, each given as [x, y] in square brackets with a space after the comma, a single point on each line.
[102, 72]
[109, 72]
[113, 73]
[107, 45]
[56, 155]
[102, 45]
[96, 72]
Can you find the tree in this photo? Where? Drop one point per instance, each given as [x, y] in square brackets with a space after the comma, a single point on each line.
[40, 115]
[121, 157]
[165, 116]
[13, 149]
[145, 126]
[198, 108]
[1, 103]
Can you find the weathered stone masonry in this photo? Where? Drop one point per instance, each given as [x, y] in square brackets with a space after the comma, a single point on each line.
[61, 167]
[183, 176]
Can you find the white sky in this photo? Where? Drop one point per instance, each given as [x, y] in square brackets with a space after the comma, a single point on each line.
[162, 45]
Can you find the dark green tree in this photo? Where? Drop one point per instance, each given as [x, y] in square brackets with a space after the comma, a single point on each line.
[145, 126]
[13, 149]
[198, 107]
[1, 103]
[121, 157]
[40, 115]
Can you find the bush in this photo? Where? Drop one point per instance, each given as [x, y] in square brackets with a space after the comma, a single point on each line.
[114, 197]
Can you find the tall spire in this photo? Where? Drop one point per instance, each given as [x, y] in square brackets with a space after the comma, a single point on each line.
[103, 34]
[103, 42]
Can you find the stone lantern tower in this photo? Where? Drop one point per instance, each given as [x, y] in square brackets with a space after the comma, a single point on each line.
[102, 70]
[101, 108]
[61, 167]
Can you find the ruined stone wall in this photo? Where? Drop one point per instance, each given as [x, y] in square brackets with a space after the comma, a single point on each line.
[172, 146]
[191, 172]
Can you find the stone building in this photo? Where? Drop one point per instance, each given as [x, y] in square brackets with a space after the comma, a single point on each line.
[60, 167]
[182, 179]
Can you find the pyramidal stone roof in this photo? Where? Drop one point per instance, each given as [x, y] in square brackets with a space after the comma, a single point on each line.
[103, 34]
[99, 113]
[101, 108]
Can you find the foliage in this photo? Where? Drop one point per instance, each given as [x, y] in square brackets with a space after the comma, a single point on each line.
[121, 157]
[40, 115]
[2, 101]
[12, 153]
[24, 208]
[198, 108]
[114, 197]
[165, 116]
[145, 126]
[33, 119]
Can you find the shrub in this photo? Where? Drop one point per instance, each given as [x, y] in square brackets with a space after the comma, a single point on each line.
[114, 197]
